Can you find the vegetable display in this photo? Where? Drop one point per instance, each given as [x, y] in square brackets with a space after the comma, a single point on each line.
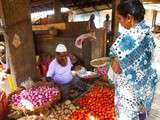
[34, 97]
[82, 114]
[32, 117]
[99, 100]
[62, 111]
[96, 104]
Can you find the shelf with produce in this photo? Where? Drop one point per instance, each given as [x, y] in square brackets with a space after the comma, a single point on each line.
[58, 26]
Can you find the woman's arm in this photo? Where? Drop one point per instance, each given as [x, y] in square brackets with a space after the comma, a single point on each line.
[115, 66]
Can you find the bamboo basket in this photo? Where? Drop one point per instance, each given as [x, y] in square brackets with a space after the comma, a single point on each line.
[100, 62]
[39, 109]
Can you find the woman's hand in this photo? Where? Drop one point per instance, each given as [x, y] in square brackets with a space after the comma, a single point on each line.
[104, 78]
[115, 66]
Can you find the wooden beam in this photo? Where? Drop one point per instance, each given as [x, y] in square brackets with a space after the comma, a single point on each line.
[89, 4]
[40, 2]
[63, 3]
[70, 4]
[94, 7]
[59, 26]
[91, 10]
[154, 18]
[152, 1]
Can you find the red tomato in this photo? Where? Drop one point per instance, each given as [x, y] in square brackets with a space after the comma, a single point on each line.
[99, 100]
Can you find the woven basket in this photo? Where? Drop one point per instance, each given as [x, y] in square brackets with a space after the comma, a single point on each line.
[39, 109]
[12, 106]
[50, 84]
[100, 62]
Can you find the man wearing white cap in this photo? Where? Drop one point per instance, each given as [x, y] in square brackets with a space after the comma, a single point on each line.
[60, 71]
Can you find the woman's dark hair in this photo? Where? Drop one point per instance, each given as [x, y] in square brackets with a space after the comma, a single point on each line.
[107, 16]
[131, 7]
[92, 17]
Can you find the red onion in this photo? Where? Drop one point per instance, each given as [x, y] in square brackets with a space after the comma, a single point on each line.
[35, 96]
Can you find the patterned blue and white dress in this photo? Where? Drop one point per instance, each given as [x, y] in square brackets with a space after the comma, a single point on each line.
[135, 87]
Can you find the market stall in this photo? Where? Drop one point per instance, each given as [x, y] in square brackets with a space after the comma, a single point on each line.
[32, 98]
[97, 102]
[42, 100]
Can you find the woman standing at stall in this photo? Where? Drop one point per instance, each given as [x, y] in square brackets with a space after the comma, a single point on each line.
[131, 55]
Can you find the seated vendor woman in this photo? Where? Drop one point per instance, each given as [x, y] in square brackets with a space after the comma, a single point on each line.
[60, 72]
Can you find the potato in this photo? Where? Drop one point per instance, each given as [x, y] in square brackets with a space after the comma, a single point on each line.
[67, 102]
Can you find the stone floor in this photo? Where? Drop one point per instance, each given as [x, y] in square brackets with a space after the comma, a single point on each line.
[155, 112]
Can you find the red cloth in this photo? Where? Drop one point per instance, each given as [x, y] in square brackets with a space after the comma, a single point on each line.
[3, 106]
[44, 65]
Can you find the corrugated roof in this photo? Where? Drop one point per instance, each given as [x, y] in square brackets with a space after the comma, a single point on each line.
[81, 6]
[78, 5]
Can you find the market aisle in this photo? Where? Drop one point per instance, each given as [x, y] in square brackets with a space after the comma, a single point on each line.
[155, 112]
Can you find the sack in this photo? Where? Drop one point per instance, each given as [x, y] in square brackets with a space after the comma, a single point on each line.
[28, 83]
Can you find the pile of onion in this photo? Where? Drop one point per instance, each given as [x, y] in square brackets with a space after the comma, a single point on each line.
[34, 97]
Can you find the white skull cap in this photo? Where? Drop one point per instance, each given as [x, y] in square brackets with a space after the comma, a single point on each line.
[61, 48]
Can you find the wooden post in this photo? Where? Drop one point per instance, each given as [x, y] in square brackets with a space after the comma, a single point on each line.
[93, 49]
[16, 22]
[115, 22]
[154, 18]
[87, 53]
[141, 1]
[57, 9]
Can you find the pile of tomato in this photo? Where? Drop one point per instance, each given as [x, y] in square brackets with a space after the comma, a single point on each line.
[99, 100]
[82, 114]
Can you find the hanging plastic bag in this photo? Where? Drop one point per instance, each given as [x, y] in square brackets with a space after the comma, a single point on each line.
[8, 84]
